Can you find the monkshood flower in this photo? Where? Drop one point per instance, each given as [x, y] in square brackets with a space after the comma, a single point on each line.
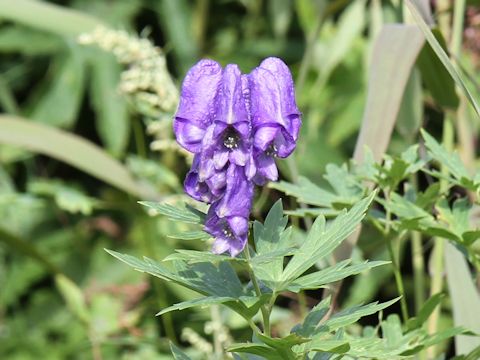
[275, 116]
[235, 125]
[227, 219]
[205, 186]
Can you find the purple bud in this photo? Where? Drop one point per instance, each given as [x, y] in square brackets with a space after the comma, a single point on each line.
[227, 219]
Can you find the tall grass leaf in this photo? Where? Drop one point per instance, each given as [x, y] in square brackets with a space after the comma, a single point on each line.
[442, 55]
[48, 17]
[112, 118]
[394, 54]
[57, 100]
[70, 149]
[176, 20]
[465, 299]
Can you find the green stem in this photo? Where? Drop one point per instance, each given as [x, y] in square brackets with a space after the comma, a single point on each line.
[139, 137]
[265, 312]
[418, 270]
[436, 285]
[395, 264]
[417, 261]
[398, 278]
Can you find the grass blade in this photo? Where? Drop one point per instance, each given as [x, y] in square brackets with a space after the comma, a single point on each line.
[71, 149]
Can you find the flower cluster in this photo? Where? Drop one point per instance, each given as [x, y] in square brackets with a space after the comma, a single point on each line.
[235, 124]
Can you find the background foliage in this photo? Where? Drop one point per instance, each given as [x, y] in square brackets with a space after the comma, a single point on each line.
[78, 150]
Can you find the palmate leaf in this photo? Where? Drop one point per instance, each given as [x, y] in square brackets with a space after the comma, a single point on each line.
[217, 282]
[271, 244]
[194, 256]
[332, 274]
[200, 302]
[351, 315]
[256, 349]
[322, 239]
[452, 162]
[307, 328]
[306, 192]
[184, 213]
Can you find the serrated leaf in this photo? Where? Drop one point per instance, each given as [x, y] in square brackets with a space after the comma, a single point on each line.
[322, 240]
[194, 256]
[352, 315]
[451, 161]
[425, 312]
[257, 349]
[185, 213]
[331, 274]
[306, 192]
[191, 235]
[307, 328]
[201, 302]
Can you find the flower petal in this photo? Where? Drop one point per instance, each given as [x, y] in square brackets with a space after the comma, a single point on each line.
[266, 169]
[220, 157]
[264, 136]
[230, 106]
[237, 200]
[197, 99]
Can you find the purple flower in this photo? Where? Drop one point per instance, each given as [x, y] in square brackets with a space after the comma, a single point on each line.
[275, 116]
[196, 109]
[203, 182]
[227, 218]
[235, 125]
[230, 140]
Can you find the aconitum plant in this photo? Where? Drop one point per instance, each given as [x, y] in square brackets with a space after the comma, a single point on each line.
[235, 124]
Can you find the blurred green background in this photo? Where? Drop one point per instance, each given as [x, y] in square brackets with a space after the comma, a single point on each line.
[72, 171]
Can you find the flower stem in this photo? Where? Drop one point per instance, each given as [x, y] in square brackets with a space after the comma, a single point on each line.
[265, 312]
[395, 264]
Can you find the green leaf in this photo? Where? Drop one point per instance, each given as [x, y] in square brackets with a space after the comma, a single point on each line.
[201, 302]
[441, 54]
[185, 213]
[66, 197]
[71, 149]
[269, 238]
[48, 17]
[410, 114]
[73, 296]
[257, 349]
[394, 54]
[194, 256]
[175, 15]
[436, 78]
[322, 240]
[451, 162]
[18, 39]
[307, 328]
[59, 102]
[112, 119]
[465, 298]
[154, 172]
[177, 353]
[330, 346]
[191, 235]
[332, 274]
[352, 315]
[425, 312]
[306, 192]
